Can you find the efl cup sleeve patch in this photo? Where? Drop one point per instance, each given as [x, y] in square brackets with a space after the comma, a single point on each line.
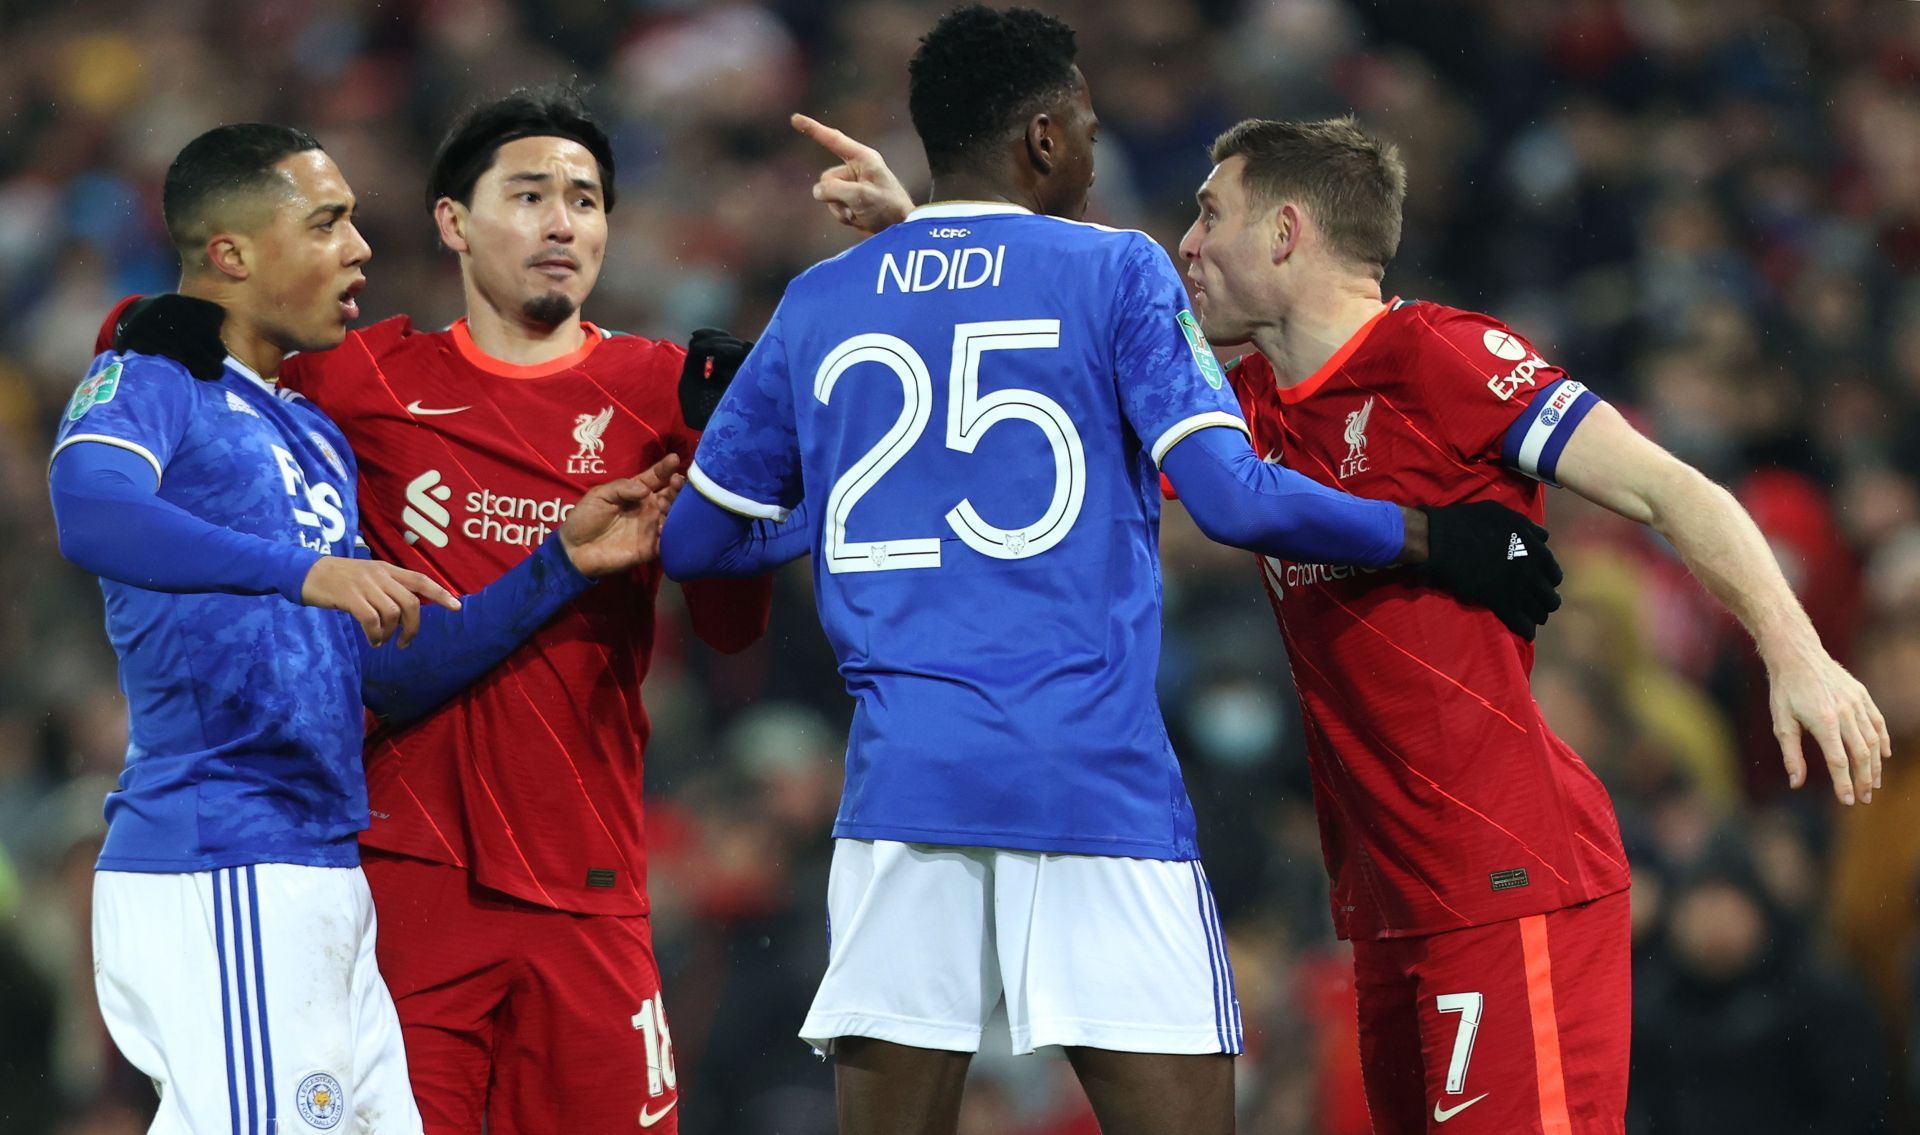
[1534, 442]
[97, 390]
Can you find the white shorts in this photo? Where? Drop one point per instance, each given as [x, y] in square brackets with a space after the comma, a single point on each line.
[251, 997]
[1089, 950]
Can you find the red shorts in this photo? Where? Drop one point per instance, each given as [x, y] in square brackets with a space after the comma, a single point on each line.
[536, 1021]
[1515, 1028]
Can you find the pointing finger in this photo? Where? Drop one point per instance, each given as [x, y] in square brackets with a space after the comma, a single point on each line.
[835, 141]
[426, 588]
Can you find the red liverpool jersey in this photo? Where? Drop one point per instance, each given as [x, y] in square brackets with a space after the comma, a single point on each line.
[1444, 799]
[530, 778]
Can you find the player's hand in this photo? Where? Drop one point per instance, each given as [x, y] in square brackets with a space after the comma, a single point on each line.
[385, 598]
[182, 328]
[1811, 694]
[616, 526]
[1490, 555]
[860, 192]
[713, 356]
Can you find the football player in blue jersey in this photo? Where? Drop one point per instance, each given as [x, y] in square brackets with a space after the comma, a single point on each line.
[233, 932]
[1014, 826]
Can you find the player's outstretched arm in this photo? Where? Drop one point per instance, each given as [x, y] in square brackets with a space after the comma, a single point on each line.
[860, 192]
[704, 541]
[112, 522]
[1612, 464]
[1236, 498]
[614, 527]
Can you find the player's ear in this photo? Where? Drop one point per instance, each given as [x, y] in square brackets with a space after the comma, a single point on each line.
[1043, 149]
[1285, 236]
[230, 254]
[450, 217]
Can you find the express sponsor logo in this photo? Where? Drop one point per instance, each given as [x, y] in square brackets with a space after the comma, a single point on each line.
[1504, 386]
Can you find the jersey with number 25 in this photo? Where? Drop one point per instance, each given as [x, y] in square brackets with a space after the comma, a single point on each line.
[973, 404]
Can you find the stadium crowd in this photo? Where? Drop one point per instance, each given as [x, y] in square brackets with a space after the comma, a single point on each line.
[1707, 210]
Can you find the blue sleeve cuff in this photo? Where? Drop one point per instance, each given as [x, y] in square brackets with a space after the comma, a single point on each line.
[290, 578]
[554, 555]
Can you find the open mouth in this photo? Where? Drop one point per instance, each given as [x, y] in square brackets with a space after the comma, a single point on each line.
[349, 300]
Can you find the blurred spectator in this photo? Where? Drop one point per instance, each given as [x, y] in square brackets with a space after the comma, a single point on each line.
[1741, 1027]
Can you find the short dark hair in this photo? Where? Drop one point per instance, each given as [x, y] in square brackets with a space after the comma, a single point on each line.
[226, 165]
[530, 112]
[1353, 184]
[980, 73]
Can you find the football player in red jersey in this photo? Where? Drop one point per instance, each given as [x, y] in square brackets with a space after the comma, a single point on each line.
[1475, 860]
[507, 856]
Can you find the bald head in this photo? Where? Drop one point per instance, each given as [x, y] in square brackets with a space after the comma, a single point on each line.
[228, 180]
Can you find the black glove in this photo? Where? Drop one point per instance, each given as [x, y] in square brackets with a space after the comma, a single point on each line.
[712, 358]
[1490, 555]
[184, 329]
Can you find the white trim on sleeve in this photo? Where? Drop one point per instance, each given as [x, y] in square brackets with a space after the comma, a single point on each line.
[1185, 426]
[731, 501]
[116, 442]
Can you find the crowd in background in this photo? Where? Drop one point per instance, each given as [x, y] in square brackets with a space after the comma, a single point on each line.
[1707, 210]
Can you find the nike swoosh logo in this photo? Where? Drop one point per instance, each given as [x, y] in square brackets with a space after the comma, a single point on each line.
[414, 407]
[1440, 1114]
[649, 1118]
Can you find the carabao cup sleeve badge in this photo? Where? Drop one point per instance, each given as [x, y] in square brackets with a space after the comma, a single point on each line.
[1202, 350]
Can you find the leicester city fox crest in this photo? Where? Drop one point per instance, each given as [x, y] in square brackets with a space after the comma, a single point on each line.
[327, 451]
[321, 1102]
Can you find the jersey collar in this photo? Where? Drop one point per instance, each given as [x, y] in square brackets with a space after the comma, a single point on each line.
[939, 210]
[1300, 391]
[471, 352]
[252, 375]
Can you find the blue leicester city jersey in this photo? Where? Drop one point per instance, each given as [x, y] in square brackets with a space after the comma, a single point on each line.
[973, 404]
[246, 725]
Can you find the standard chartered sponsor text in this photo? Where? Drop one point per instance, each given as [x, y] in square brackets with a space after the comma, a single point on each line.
[517, 521]
[1285, 576]
[524, 521]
